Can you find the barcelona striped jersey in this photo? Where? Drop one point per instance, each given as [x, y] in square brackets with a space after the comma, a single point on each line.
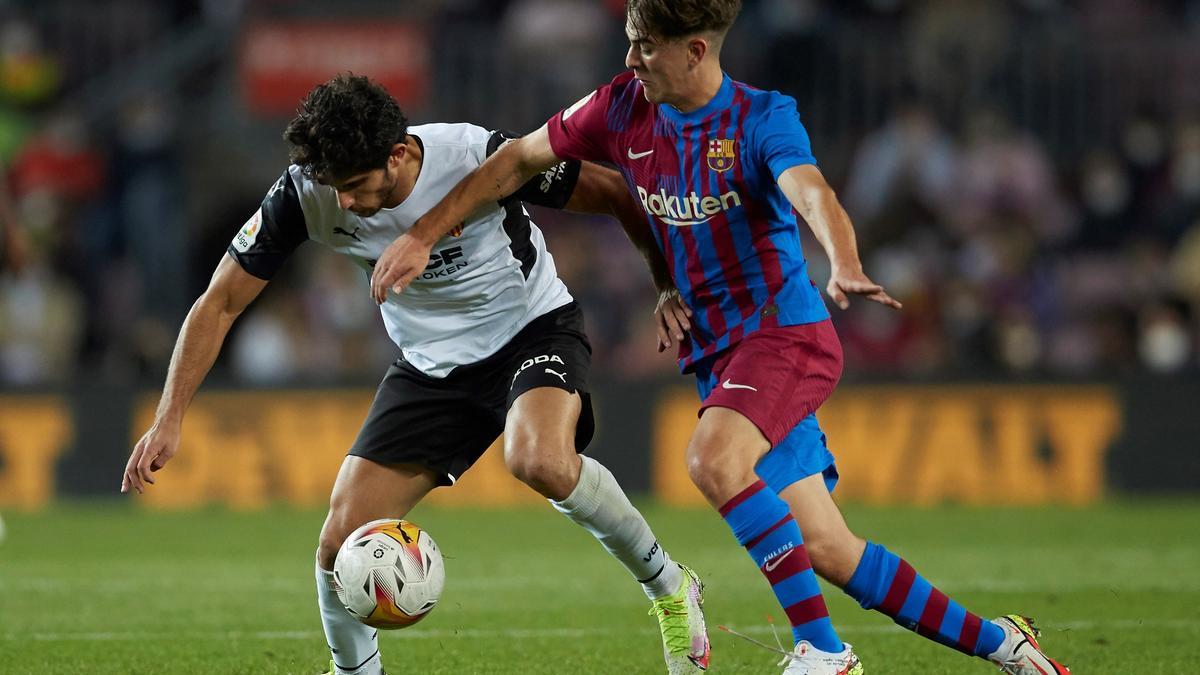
[707, 181]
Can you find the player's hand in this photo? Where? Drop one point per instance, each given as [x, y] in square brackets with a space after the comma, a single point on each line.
[153, 451]
[400, 263]
[671, 318]
[855, 282]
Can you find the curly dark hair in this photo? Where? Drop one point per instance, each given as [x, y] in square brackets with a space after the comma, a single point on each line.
[673, 19]
[344, 127]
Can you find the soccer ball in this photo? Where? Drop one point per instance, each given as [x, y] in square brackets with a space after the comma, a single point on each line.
[389, 573]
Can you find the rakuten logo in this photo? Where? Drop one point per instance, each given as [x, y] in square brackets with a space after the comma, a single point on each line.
[688, 210]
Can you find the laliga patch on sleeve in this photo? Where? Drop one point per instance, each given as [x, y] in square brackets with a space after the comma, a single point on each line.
[578, 104]
[249, 232]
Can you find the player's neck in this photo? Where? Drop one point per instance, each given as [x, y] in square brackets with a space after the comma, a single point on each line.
[410, 170]
[703, 85]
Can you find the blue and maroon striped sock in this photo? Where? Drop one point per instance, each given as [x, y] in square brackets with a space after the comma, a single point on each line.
[761, 522]
[885, 582]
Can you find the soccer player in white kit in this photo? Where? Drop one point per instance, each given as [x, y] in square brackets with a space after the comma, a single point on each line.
[491, 342]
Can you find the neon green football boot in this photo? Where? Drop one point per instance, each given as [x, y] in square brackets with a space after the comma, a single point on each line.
[681, 619]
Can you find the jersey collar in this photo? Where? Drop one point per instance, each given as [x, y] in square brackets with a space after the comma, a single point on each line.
[722, 99]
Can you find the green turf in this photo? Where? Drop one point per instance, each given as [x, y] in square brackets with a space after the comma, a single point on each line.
[98, 588]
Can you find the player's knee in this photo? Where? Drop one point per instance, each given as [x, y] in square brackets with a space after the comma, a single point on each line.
[327, 548]
[822, 546]
[834, 552]
[332, 535]
[541, 466]
[709, 470]
[699, 467]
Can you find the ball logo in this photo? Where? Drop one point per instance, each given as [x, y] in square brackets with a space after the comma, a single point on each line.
[378, 553]
[721, 154]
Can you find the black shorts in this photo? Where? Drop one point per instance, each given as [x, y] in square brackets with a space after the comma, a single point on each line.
[446, 424]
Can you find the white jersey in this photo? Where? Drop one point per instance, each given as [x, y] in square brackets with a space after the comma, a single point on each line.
[485, 281]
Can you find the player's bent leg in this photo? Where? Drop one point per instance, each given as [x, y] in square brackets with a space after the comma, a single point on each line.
[539, 441]
[835, 551]
[880, 580]
[364, 491]
[721, 458]
[539, 449]
[722, 453]
[886, 583]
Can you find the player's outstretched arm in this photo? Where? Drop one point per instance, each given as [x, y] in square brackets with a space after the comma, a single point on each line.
[498, 177]
[811, 196]
[231, 290]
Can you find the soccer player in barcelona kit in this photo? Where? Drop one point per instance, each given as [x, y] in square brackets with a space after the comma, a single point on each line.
[470, 330]
[718, 167]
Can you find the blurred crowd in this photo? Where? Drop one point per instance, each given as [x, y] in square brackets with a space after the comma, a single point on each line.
[1022, 241]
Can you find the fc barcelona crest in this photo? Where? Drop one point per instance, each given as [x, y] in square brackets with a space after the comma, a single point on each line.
[721, 154]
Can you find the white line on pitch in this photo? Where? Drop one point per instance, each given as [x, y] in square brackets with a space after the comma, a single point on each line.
[535, 633]
[122, 586]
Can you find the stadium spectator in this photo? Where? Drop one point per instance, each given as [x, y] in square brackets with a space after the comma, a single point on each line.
[1004, 185]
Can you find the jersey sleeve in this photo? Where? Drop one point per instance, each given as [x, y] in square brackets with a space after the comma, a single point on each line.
[578, 132]
[552, 188]
[273, 232]
[780, 140]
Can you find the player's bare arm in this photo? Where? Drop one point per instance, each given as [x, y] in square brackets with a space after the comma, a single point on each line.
[229, 292]
[601, 190]
[498, 177]
[811, 196]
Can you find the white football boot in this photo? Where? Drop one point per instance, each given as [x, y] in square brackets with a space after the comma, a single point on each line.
[806, 659]
[1020, 653]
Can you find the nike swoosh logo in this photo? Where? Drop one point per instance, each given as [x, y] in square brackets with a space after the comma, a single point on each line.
[729, 385]
[639, 155]
[774, 562]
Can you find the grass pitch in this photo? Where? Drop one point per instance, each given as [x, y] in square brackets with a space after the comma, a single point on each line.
[104, 588]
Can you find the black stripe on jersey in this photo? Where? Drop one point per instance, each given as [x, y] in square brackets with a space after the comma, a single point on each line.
[551, 188]
[516, 226]
[499, 138]
[280, 230]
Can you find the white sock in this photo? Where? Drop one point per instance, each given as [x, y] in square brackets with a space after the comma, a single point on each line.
[353, 644]
[599, 505]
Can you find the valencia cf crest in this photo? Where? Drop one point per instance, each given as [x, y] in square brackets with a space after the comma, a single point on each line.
[721, 154]
[458, 229]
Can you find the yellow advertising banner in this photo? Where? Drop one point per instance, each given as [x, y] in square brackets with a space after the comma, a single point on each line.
[33, 432]
[932, 444]
[924, 444]
[248, 449]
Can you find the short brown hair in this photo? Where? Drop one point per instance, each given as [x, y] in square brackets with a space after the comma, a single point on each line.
[672, 19]
[346, 126]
